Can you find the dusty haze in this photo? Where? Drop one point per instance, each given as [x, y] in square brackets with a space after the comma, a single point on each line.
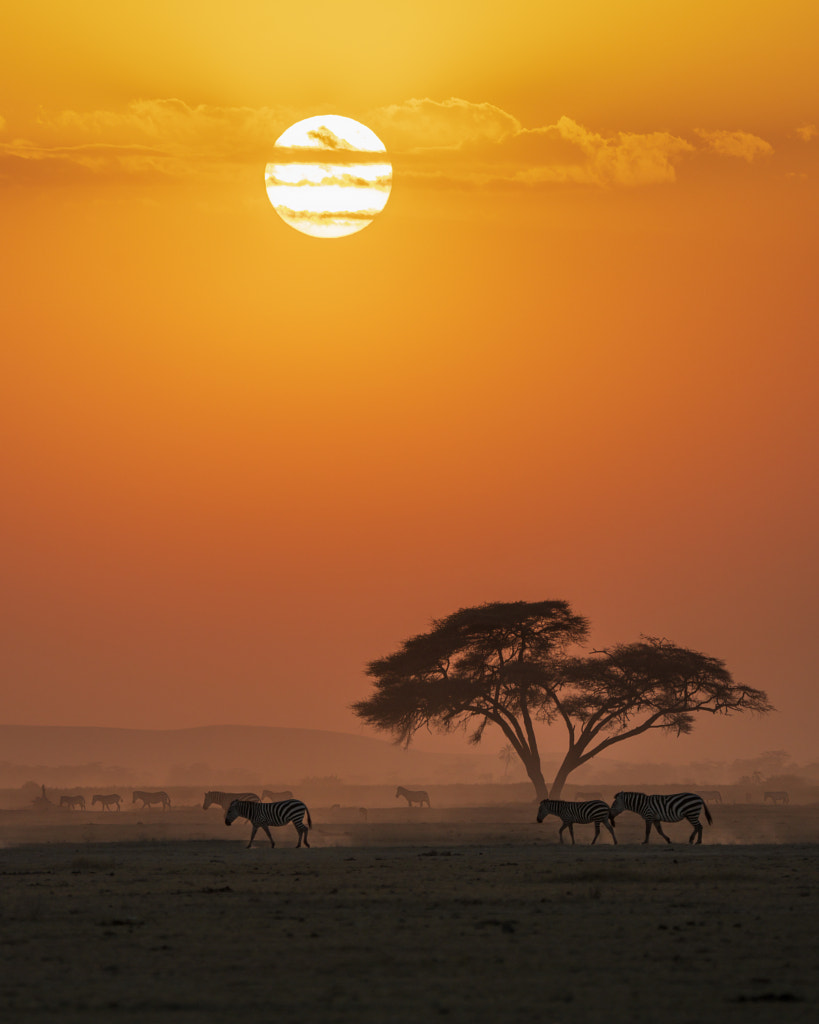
[574, 358]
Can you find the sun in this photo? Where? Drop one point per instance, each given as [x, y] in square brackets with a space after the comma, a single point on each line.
[330, 176]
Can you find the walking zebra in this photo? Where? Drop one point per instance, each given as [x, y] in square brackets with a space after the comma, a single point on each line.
[413, 796]
[776, 796]
[72, 802]
[147, 799]
[585, 813]
[657, 808]
[224, 800]
[106, 801]
[261, 815]
[268, 794]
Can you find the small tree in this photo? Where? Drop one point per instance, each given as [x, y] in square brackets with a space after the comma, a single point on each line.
[507, 664]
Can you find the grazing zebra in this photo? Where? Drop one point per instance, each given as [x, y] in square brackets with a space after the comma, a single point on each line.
[216, 796]
[658, 808]
[152, 798]
[585, 813]
[345, 811]
[106, 801]
[712, 795]
[72, 802]
[268, 794]
[261, 815]
[776, 796]
[413, 796]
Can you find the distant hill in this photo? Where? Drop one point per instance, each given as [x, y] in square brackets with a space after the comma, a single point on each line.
[232, 753]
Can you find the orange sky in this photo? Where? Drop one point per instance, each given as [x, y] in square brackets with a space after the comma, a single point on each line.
[575, 357]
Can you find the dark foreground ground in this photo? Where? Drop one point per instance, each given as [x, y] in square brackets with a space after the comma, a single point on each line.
[413, 918]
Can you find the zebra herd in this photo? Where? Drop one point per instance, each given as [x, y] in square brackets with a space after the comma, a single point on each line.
[653, 809]
[282, 809]
[110, 801]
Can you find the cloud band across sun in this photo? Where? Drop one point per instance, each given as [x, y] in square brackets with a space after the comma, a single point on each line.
[441, 143]
[339, 182]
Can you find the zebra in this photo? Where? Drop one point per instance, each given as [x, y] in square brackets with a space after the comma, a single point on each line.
[340, 812]
[72, 802]
[216, 796]
[260, 815]
[268, 794]
[147, 799]
[584, 813]
[657, 808]
[413, 796]
[106, 801]
[776, 796]
[713, 795]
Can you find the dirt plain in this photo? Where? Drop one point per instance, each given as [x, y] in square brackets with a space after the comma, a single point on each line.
[407, 916]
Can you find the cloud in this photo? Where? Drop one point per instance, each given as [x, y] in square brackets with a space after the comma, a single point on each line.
[625, 158]
[165, 137]
[734, 143]
[447, 143]
[328, 139]
[425, 124]
[807, 132]
[382, 182]
[563, 153]
[311, 155]
[223, 134]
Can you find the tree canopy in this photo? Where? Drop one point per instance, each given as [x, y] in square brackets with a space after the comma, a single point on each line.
[509, 664]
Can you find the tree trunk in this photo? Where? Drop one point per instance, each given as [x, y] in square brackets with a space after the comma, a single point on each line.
[563, 772]
[533, 770]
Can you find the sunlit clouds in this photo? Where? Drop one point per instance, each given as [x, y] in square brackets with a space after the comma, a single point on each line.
[453, 142]
[739, 144]
[329, 177]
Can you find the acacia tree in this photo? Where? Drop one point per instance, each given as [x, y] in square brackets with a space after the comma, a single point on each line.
[508, 664]
[629, 689]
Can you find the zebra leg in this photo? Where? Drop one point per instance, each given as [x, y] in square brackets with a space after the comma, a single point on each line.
[697, 832]
[302, 831]
[252, 835]
[648, 831]
[571, 832]
[267, 830]
[560, 831]
[596, 832]
[659, 828]
[613, 836]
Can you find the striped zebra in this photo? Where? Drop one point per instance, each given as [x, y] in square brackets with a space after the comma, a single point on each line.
[224, 800]
[657, 808]
[161, 797]
[77, 802]
[268, 794]
[106, 801]
[584, 813]
[261, 815]
[413, 796]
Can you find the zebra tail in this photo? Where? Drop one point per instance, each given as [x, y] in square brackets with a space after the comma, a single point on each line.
[708, 817]
[309, 819]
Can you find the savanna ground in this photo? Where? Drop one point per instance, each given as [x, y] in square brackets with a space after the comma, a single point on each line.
[409, 916]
